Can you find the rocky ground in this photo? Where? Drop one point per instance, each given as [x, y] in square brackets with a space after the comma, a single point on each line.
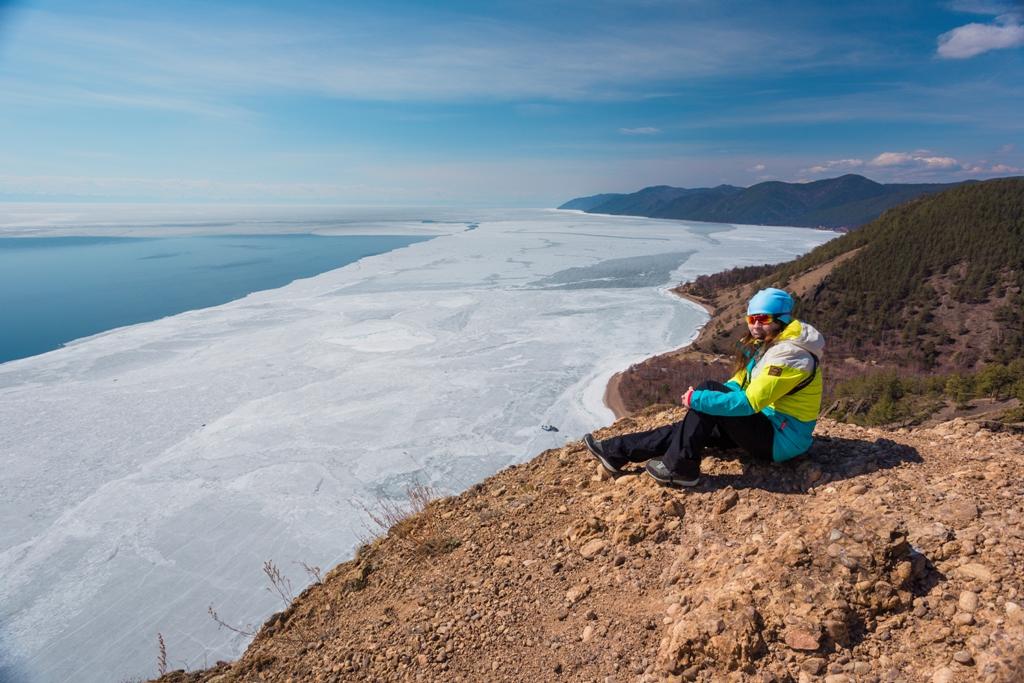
[879, 556]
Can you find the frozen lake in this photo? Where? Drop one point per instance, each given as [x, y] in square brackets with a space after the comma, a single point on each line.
[151, 470]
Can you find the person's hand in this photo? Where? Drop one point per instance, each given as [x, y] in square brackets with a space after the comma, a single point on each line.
[685, 398]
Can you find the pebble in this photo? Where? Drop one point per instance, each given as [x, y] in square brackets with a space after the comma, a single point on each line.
[588, 634]
[813, 665]
[593, 548]
[963, 657]
[973, 570]
[968, 601]
[861, 668]
[838, 678]
[963, 619]
[577, 593]
[943, 675]
[799, 639]
[727, 502]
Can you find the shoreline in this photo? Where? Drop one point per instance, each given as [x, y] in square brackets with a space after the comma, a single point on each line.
[612, 394]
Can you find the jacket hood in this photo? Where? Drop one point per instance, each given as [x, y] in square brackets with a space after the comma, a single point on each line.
[803, 335]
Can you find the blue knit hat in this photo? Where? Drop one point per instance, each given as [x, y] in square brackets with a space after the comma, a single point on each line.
[774, 301]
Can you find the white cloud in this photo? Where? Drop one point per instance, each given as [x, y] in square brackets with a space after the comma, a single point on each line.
[757, 168]
[973, 39]
[914, 160]
[919, 165]
[834, 165]
[645, 130]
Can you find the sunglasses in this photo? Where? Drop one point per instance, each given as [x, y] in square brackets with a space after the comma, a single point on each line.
[762, 318]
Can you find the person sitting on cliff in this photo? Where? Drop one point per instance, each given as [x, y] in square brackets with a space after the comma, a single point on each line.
[768, 408]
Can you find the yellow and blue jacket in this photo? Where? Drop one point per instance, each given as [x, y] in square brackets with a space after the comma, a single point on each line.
[766, 386]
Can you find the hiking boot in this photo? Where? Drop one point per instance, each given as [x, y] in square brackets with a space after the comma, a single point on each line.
[610, 463]
[660, 473]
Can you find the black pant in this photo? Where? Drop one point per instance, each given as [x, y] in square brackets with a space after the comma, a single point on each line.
[687, 439]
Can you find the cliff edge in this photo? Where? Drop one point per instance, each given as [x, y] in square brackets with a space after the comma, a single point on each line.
[878, 556]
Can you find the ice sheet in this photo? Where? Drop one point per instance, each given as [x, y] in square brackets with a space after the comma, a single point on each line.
[148, 472]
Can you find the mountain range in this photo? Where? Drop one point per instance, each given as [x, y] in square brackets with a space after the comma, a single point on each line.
[844, 202]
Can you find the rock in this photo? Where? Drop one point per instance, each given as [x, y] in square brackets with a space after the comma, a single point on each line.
[577, 593]
[800, 639]
[858, 489]
[588, 634]
[943, 675]
[812, 475]
[930, 536]
[861, 668]
[727, 501]
[968, 601]
[813, 665]
[673, 508]
[838, 678]
[724, 630]
[957, 513]
[837, 630]
[934, 632]
[963, 657]
[593, 548]
[963, 619]
[504, 561]
[977, 571]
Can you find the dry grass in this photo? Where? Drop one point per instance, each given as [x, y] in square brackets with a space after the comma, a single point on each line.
[413, 521]
[161, 657]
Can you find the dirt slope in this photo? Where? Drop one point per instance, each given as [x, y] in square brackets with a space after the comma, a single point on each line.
[877, 557]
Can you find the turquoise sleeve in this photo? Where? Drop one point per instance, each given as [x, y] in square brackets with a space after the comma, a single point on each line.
[734, 385]
[732, 403]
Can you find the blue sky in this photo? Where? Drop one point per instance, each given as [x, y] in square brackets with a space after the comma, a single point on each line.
[498, 103]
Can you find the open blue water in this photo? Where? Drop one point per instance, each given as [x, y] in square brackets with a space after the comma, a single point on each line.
[56, 289]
